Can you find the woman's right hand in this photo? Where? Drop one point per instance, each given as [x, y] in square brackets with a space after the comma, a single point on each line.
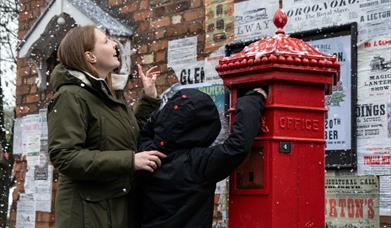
[149, 80]
[148, 160]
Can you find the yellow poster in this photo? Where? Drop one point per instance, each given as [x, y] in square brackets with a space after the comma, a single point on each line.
[352, 201]
[219, 23]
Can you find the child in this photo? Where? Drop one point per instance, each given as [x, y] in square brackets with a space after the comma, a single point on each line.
[180, 193]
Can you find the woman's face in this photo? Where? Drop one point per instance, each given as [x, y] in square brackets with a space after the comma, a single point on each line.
[104, 52]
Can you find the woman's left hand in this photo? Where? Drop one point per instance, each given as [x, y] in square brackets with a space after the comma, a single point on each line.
[149, 80]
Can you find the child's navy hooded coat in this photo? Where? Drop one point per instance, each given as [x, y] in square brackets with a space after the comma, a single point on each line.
[180, 193]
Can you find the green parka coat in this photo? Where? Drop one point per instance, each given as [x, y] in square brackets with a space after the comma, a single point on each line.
[92, 140]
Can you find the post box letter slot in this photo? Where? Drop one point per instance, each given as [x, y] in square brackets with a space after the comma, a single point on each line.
[250, 174]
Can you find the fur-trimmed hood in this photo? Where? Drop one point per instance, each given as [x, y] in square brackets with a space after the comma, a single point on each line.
[62, 75]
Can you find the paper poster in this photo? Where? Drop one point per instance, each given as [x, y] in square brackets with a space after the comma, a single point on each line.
[210, 66]
[195, 74]
[373, 159]
[17, 146]
[254, 20]
[29, 182]
[374, 19]
[389, 119]
[221, 187]
[217, 93]
[31, 137]
[352, 201]
[38, 181]
[41, 168]
[374, 69]
[374, 107]
[385, 195]
[43, 188]
[339, 103]
[191, 73]
[182, 51]
[219, 23]
[221, 207]
[44, 123]
[211, 74]
[25, 212]
[373, 122]
[308, 14]
[28, 131]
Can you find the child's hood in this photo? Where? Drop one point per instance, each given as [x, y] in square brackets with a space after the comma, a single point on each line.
[189, 119]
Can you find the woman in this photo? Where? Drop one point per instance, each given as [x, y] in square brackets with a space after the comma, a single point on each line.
[92, 135]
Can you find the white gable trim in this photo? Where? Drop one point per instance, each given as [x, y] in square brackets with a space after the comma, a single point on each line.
[83, 16]
[39, 27]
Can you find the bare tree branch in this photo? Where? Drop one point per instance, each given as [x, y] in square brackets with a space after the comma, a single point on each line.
[9, 11]
[9, 31]
[7, 60]
[11, 50]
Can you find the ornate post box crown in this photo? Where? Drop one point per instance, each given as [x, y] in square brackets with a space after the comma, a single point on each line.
[278, 51]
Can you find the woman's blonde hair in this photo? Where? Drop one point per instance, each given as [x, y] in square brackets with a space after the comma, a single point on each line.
[73, 46]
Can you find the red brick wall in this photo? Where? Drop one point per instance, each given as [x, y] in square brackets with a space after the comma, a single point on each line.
[28, 101]
[155, 26]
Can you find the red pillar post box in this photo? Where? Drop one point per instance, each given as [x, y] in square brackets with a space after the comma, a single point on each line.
[281, 183]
